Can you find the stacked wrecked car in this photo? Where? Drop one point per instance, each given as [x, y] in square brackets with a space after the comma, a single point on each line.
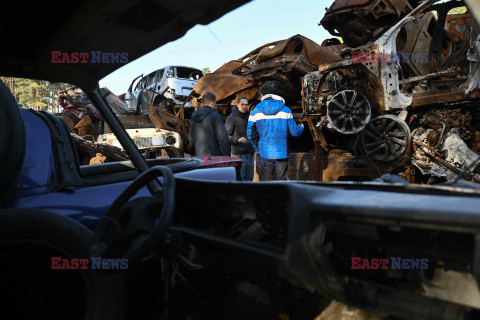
[94, 140]
[399, 95]
[407, 100]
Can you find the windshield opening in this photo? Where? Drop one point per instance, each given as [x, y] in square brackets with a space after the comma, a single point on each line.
[188, 73]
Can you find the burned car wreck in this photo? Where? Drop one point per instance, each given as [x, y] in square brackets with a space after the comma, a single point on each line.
[284, 61]
[94, 139]
[163, 88]
[404, 102]
[191, 242]
[358, 22]
[407, 102]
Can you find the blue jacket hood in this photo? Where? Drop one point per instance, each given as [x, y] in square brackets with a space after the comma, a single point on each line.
[271, 106]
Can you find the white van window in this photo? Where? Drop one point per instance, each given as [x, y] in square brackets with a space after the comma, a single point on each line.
[188, 73]
[160, 74]
[151, 79]
[140, 84]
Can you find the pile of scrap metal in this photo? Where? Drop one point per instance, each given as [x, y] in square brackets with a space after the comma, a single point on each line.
[360, 21]
[81, 117]
[408, 100]
[86, 124]
[383, 106]
[94, 140]
[284, 61]
[95, 153]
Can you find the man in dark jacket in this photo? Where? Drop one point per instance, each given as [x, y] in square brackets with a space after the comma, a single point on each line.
[236, 125]
[207, 131]
[268, 127]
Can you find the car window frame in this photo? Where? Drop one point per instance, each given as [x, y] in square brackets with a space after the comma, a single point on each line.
[149, 82]
[160, 74]
[141, 83]
[176, 75]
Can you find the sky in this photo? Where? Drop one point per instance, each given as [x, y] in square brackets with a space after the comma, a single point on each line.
[228, 38]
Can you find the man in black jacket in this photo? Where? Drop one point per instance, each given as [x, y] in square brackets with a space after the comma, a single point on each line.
[207, 131]
[236, 125]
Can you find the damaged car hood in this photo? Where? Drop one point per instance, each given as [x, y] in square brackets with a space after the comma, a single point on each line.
[285, 60]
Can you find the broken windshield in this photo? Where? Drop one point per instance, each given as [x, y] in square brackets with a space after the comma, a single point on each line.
[188, 73]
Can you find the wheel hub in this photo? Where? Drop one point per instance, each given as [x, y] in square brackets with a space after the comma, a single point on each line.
[386, 138]
[348, 112]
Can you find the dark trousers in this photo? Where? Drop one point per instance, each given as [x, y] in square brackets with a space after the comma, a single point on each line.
[273, 169]
[246, 169]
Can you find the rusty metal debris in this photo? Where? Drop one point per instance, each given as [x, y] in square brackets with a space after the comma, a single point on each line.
[95, 153]
[400, 95]
[405, 68]
[337, 310]
[284, 61]
[438, 158]
[99, 158]
[92, 136]
[415, 82]
[360, 21]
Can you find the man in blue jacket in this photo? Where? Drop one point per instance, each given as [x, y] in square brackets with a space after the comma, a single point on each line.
[268, 127]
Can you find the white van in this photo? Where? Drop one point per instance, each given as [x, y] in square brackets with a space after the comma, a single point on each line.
[165, 88]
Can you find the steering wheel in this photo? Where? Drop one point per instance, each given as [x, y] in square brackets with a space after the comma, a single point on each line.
[132, 229]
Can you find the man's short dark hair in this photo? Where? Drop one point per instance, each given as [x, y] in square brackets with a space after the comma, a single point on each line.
[240, 99]
[268, 88]
[208, 98]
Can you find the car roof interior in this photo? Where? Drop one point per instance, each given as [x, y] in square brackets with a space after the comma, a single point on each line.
[136, 27]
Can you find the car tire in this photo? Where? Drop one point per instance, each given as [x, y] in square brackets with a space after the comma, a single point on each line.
[31, 289]
[12, 141]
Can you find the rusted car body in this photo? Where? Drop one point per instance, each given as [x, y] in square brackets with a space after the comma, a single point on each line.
[360, 21]
[418, 82]
[284, 61]
[368, 108]
[95, 142]
[459, 25]
[152, 142]
[167, 87]
[82, 118]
